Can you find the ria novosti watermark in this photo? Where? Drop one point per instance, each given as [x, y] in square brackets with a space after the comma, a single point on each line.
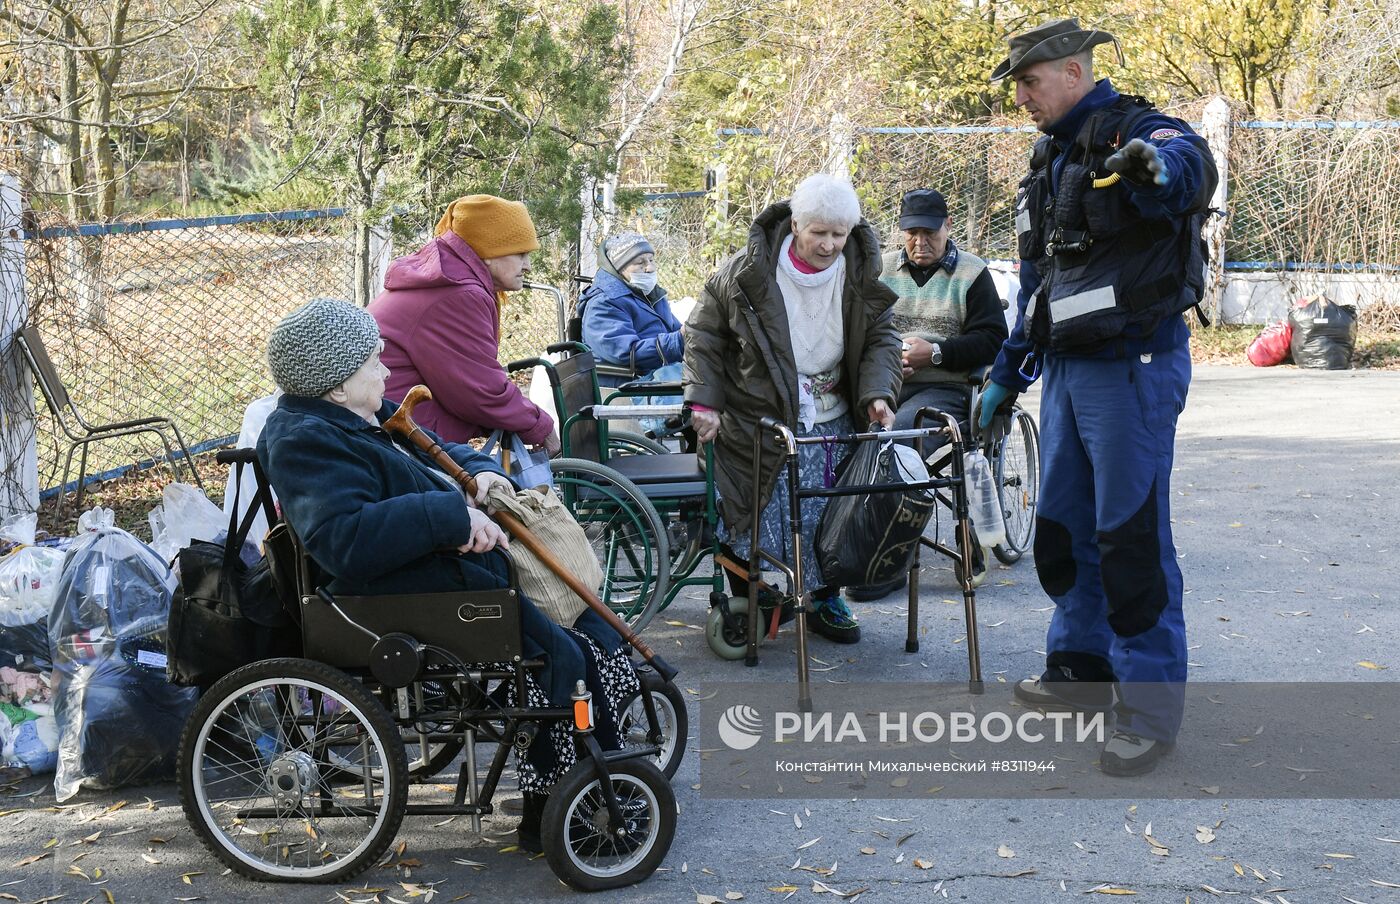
[882, 740]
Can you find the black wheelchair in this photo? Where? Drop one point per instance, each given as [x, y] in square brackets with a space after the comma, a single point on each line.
[299, 769]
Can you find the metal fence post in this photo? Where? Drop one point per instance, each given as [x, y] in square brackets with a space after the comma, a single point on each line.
[717, 183]
[19, 482]
[1215, 128]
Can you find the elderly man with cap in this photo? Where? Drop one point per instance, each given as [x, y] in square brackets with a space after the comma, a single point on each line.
[440, 313]
[379, 517]
[627, 319]
[950, 316]
[1108, 224]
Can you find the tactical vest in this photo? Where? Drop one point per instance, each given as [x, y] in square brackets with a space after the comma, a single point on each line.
[1107, 272]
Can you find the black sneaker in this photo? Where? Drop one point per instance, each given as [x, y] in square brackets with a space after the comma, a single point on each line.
[832, 619]
[1057, 688]
[527, 834]
[877, 591]
[1128, 754]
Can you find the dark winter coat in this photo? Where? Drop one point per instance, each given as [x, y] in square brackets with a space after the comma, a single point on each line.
[739, 359]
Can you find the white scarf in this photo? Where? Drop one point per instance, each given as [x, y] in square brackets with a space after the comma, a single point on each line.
[817, 329]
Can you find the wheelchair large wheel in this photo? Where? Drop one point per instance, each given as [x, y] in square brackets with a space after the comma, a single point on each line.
[255, 761]
[1017, 474]
[625, 442]
[627, 534]
[672, 722]
[581, 845]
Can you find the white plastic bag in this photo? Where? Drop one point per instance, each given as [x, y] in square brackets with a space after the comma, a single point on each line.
[184, 515]
[245, 490]
[982, 503]
[28, 575]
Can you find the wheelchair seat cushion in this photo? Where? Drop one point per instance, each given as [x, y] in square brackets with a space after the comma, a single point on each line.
[662, 476]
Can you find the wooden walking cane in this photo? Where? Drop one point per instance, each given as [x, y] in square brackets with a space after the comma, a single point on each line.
[402, 424]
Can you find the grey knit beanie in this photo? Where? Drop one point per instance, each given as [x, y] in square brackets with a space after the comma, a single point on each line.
[622, 248]
[320, 345]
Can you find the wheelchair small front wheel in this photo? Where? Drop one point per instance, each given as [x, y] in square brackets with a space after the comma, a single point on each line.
[582, 844]
[255, 766]
[671, 718]
[728, 636]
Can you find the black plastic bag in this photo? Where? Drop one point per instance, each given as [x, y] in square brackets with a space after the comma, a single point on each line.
[870, 538]
[1324, 334]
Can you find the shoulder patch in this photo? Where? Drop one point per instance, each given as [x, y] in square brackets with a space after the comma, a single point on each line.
[1164, 134]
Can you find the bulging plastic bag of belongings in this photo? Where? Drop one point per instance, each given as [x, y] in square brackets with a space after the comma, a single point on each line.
[119, 719]
[28, 732]
[28, 575]
[185, 515]
[871, 538]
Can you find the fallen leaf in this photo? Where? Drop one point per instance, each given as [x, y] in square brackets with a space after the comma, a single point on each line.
[1239, 871]
[35, 859]
[706, 899]
[1110, 890]
[1204, 834]
[920, 863]
[734, 896]
[1341, 856]
[782, 889]
[1005, 852]
[1384, 884]
[806, 844]
[867, 850]
[1368, 664]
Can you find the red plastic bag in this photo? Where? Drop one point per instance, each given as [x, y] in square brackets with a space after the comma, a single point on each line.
[1270, 347]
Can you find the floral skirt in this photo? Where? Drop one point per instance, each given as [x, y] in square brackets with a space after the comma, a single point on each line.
[816, 467]
[609, 677]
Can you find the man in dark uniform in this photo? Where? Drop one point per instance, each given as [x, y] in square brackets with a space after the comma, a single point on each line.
[1108, 224]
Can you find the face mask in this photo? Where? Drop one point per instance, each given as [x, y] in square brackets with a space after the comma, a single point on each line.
[643, 281]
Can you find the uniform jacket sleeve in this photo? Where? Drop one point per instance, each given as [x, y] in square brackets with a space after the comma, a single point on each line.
[1191, 172]
[454, 349]
[1018, 348]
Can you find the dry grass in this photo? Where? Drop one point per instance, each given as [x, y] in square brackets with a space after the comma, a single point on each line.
[131, 497]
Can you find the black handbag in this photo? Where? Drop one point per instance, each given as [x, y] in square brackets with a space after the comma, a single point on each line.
[225, 614]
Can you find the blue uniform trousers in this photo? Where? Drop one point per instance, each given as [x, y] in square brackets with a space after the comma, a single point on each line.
[1103, 545]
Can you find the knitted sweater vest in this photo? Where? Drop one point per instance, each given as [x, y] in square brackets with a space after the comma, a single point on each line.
[934, 311]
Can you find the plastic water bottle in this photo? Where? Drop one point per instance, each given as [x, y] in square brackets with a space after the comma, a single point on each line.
[983, 505]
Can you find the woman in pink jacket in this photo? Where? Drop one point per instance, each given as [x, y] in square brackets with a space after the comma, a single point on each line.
[439, 315]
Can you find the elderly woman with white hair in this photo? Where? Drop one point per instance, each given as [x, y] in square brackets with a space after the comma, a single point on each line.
[797, 327]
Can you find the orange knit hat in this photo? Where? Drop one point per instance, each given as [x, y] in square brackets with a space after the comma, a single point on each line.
[492, 226]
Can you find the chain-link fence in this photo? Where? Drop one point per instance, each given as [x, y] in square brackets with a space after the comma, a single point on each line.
[1319, 195]
[171, 318]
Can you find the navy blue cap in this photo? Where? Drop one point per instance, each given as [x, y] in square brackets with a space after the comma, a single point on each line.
[922, 208]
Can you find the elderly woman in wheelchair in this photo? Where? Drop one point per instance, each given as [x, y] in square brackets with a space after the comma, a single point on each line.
[416, 584]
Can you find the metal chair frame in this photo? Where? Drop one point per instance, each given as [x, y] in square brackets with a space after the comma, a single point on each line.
[84, 434]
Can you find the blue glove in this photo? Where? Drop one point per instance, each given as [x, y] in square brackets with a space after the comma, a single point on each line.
[1139, 163]
[993, 397]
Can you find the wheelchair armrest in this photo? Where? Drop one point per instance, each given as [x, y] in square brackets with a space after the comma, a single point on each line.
[245, 456]
[558, 347]
[979, 376]
[525, 363]
[644, 387]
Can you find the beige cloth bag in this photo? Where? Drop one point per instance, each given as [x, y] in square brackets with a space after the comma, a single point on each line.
[545, 516]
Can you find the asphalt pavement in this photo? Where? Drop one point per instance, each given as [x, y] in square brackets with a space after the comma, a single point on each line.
[1286, 508]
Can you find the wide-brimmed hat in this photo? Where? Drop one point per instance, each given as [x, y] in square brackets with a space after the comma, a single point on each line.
[1051, 41]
